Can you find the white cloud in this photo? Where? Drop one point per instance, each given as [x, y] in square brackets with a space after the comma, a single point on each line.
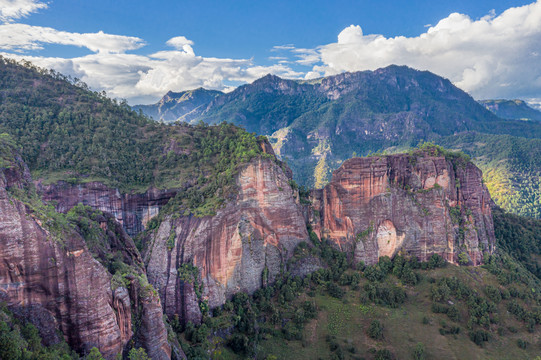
[494, 56]
[146, 78]
[306, 56]
[21, 37]
[181, 43]
[283, 47]
[16, 9]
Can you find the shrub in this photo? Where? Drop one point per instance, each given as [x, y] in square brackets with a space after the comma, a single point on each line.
[453, 313]
[94, 354]
[463, 259]
[384, 294]
[479, 336]
[239, 343]
[335, 290]
[383, 354]
[375, 330]
[138, 354]
[436, 261]
[419, 352]
[522, 344]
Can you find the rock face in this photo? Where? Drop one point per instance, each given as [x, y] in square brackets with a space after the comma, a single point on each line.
[245, 243]
[133, 211]
[379, 206]
[60, 277]
[53, 275]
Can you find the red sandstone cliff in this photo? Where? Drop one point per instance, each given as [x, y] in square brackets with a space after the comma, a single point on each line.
[131, 210]
[54, 279]
[257, 230]
[420, 205]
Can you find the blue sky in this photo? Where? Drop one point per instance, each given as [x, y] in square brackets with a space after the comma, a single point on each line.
[139, 50]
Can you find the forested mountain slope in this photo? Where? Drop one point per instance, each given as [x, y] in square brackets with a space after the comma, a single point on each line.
[315, 125]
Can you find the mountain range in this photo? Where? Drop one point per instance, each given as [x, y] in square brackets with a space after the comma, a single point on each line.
[315, 125]
[512, 109]
[124, 237]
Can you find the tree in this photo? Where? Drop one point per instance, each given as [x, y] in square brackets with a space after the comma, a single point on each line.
[463, 259]
[10, 343]
[94, 354]
[138, 354]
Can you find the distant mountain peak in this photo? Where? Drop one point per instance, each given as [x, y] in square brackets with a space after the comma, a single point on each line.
[515, 109]
[175, 106]
[269, 78]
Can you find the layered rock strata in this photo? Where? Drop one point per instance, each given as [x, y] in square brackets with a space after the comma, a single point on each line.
[420, 205]
[193, 260]
[51, 273]
[133, 211]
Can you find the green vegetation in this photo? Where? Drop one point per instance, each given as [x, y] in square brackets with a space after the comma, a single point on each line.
[511, 168]
[67, 132]
[20, 340]
[215, 157]
[138, 354]
[458, 158]
[520, 237]
[348, 311]
[94, 354]
[63, 127]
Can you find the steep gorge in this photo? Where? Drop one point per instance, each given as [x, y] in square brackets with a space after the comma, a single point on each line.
[419, 204]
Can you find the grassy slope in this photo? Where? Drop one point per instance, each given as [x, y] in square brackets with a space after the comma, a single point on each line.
[349, 319]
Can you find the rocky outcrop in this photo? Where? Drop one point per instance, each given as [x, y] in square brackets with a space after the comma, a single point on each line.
[419, 205]
[59, 276]
[49, 276]
[132, 210]
[193, 260]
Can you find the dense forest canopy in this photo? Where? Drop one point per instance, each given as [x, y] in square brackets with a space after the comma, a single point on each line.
[68, 132]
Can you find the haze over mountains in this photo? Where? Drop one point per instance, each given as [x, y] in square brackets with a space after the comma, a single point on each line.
[316, 125]
[512, 109]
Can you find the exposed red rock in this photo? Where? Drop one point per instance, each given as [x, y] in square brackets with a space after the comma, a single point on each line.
[133, 211]
[379, 206]
[56, 277]
[59, 276]
[258, 229]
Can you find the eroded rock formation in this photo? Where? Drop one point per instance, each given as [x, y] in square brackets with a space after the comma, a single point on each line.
[49, 274]
[133, 211]
[245, 243]
[421, 205]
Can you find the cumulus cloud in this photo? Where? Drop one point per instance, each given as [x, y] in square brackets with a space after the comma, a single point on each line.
[138, 78]
[494, 56]
[16, 9]
[146, 78]
[181, 43]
